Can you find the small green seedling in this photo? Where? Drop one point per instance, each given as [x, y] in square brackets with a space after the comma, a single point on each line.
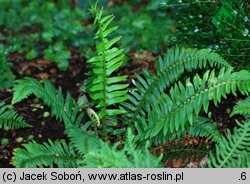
[5, 141]
[46, 114]
[31, 137]
[19, 139]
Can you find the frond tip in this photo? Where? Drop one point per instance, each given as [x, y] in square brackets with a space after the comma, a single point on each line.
[242, 107]
[93, 116]
[204, 127]
[10, 119]
[46, 154]
[65, 110]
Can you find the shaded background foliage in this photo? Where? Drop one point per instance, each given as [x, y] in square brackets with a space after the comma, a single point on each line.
[55, 26]
[222, 26]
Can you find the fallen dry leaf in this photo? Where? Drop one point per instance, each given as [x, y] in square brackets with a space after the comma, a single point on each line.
[42, 76]
[43, 62]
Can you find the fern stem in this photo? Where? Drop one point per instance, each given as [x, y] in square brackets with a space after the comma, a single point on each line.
[104, 83]
[188, 149]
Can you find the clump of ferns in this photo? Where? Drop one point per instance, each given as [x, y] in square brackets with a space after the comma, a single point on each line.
[85, 149]
[159, 108]
[162, 106]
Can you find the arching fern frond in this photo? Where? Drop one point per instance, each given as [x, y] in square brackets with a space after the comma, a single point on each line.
[96, 153]
[103, 86]
[177, 111]
[175, 62]
[82, 141]
[45, 155]
[234, 150]
[65, 110]
[10, 119]
[204, 127]
[242, 107]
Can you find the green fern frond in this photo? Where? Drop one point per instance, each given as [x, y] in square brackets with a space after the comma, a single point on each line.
[175, 62]
[46, 154]
[242, 107]
[96, 153]
[10, 119]
[82, 141]
[111, 159]
[234, 150]
[204, 127]
[103, 86]
[177, 111]
[243, 161]
[128, 157]
[136, 155]
[63, 109]
[186, 153]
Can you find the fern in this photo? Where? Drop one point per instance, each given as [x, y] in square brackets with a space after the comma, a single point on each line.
[10, 119]
[176, 111]
[87, 145]
[168, 70]
[92, 152]
[100, 154]
[81, 140]
[204, 127]
[243, 161]
[103, 86]
[46, 155]
[233, 151]
[186, 153]
[242, 107]
[65, 110]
